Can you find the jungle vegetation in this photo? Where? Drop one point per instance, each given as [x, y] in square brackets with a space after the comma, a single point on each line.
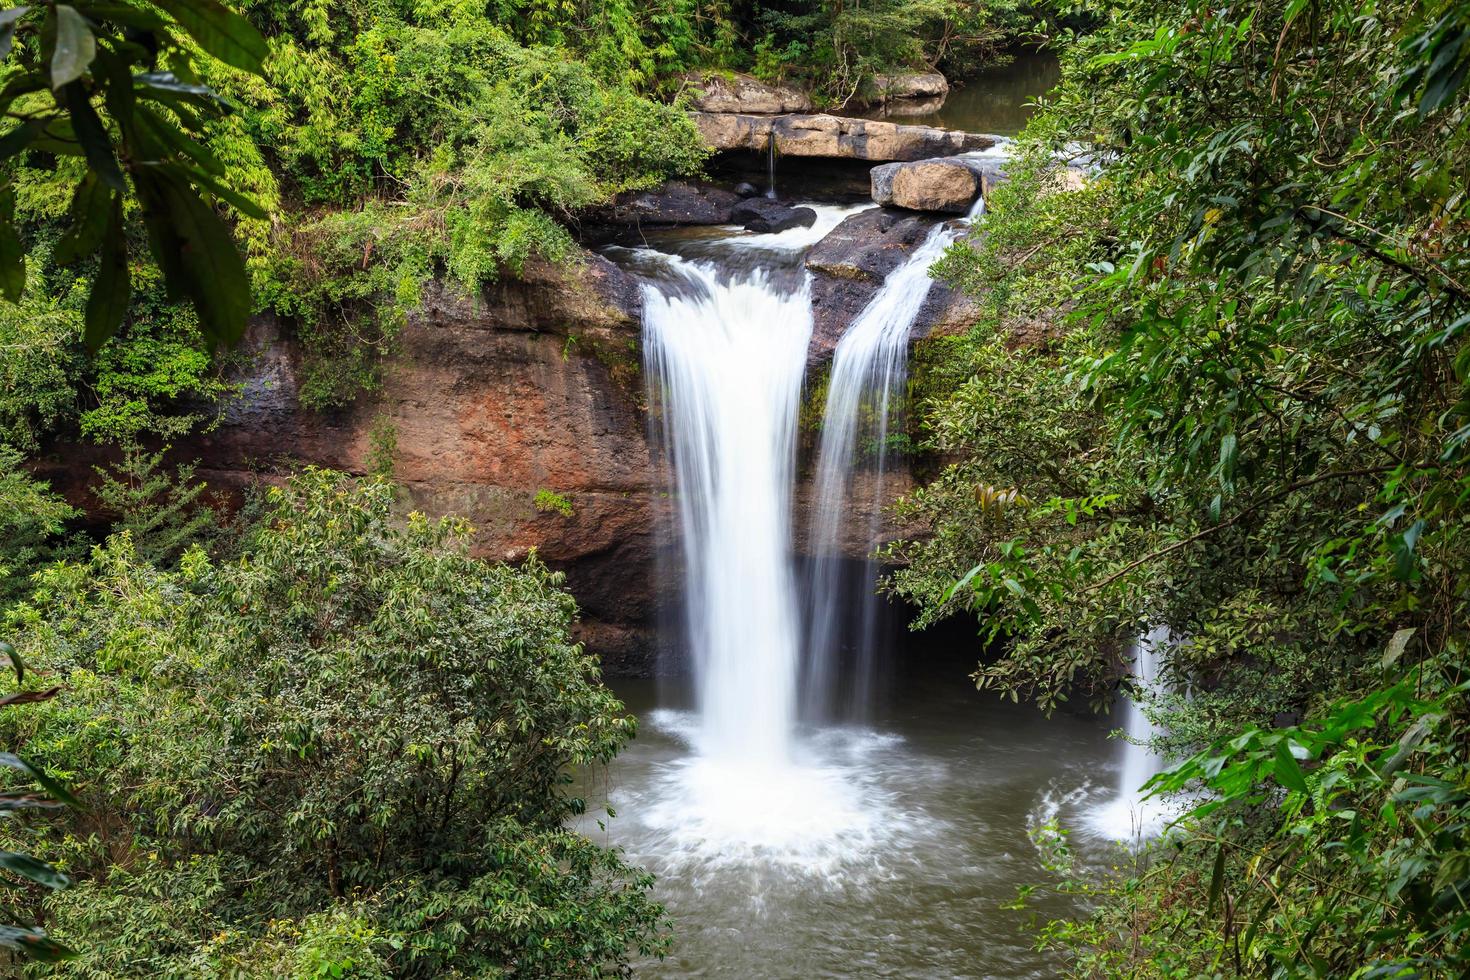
[1248, 423]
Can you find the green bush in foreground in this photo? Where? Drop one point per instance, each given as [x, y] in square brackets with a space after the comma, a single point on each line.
[342, 752]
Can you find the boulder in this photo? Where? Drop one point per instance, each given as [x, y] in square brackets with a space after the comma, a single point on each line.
[911, 85]
[673, 203]
[762, 215]
[948, 185]
[833, 137]
[849, 265]
[746, 189]
[713, 92]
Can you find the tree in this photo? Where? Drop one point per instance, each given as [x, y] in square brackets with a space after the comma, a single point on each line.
[116, 87]
[1248, 423]
[349, 728]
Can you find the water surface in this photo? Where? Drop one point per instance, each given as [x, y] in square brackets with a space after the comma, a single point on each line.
[886, 850]
[997, 101]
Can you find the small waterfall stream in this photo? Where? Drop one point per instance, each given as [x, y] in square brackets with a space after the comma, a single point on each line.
[868, 375]
[1128, 816]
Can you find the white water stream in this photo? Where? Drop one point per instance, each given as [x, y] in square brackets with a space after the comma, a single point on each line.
[1129, 816]
[868, 375]
[728, 357]
[725, 340]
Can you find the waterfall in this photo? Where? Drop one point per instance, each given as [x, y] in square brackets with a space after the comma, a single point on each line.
[1140, 762]
[771, 165]
[869, 372]
[726, 357]
[1128, 816]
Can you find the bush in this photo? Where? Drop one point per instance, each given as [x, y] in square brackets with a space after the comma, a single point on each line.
[350, 742]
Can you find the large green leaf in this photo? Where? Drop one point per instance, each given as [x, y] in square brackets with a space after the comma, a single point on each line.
[108, 302]
[92, 134]
[220, 31]
[13, 761]
[38, 871]
[13, 661]
[194, 248]
[75, 46]
[12, 261]
[89, 213]
[34, 944]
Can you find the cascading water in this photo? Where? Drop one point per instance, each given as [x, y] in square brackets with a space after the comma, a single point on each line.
[726, 352]
[728, 359]
[1128, 816]
[869, 371]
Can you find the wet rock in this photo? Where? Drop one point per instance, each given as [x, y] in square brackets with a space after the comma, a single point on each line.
[948, 185]
[673, 203]
[833, 137]
[712, 92]
[908, 108]
[849, 265]
[746, 189]
[762, 215]
[911, 85]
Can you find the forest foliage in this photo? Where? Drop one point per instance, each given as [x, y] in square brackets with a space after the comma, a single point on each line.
[1248, 424]
[338, 747]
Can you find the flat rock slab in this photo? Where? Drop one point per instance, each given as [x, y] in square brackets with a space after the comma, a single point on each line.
[835, 137]
[673, 203]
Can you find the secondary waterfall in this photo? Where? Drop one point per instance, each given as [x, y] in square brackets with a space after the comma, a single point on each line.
[869, 372]
[1128, 816]
[728, 358]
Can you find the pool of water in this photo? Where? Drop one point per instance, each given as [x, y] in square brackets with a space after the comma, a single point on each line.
[997, 101]
[882, 850]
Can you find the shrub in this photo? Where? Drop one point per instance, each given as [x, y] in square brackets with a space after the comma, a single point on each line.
[353, 728]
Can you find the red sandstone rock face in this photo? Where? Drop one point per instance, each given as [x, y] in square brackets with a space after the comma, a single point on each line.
[535, 385]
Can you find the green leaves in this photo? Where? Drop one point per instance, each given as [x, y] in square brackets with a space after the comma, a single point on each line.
[1288, 771]
[220, 31]
[28, 941]
[111, 290]
[196, 252]
[1440, 59]
[74, 49]
[38, 871]
[7, 28]
[101, 56]
[12, 252]
[31, 943]
[301, 759]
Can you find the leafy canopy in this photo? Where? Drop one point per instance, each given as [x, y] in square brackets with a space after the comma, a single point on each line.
[348, 736]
